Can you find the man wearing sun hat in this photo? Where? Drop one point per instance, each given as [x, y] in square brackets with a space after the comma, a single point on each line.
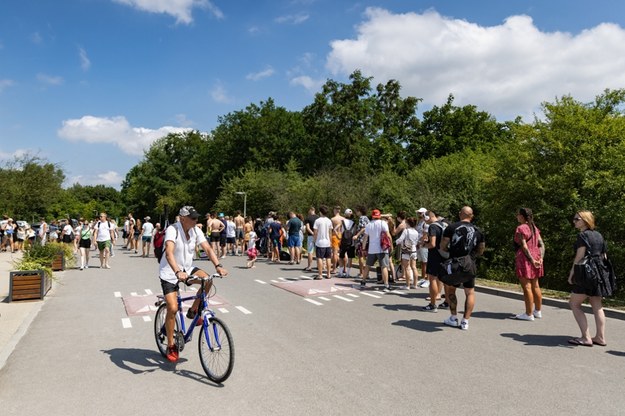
[181, 239]
[373, 234]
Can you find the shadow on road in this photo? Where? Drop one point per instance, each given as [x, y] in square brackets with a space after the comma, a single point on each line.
[491, 315]
[424, 326]
[404, 307]
[141, 361]
[617, 353]
[541, 340]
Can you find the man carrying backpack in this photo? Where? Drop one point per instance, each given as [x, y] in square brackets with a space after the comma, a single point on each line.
[462, 242]
[347, 247]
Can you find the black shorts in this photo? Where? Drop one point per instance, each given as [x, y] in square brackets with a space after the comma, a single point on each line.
[124, 234]
[222, 240]
[169, 287]
[231, 240]
[469, 284]
[324, 252]
[84, 243]
[67, 238]
[350, 251]
[215, 237]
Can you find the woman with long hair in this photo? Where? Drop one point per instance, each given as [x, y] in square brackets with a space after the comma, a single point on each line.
[84, 243]
[590, 243]
[530, 251]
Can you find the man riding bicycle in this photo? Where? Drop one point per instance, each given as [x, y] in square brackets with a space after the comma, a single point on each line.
[181, 239]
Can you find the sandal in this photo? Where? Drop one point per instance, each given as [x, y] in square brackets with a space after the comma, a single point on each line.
[579, 342]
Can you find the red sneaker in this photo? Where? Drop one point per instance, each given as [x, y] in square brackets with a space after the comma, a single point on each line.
[172, 353]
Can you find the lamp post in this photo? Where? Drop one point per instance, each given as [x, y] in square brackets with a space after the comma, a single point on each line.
[244, 202]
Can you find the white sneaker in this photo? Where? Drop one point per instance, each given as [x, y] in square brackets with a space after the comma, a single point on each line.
[452, 321]
[404, 288]
[537, 314]
[425, 284]
[464, 324]
[524, 317]
[420, 282]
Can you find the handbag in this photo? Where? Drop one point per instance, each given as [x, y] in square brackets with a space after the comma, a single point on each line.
[457, 270]
[385, 241]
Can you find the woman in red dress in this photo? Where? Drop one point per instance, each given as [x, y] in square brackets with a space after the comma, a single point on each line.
[530, 251]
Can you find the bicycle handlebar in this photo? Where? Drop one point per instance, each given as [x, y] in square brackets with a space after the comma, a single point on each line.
[192, 279]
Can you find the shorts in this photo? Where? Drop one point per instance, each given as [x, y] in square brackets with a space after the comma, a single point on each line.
[336, 242]
[231, 240]
[409, 256]
[324, 252]
[252, 253]
[293, 241]
[124, 234]
[310, 244]
[223, 240]
[275, 241]
[469, 284]
[433, 268]
[137, 236]
[214, 237]
[67, 238]
[84, 243]
[422, 255]
[239, 233]
[146, 239]
[169, 287]
[382, 258]
[350, 251]
[104, 244]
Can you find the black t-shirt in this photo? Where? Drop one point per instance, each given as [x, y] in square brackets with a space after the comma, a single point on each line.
[594, 239]
[464, 237]
[310, 220]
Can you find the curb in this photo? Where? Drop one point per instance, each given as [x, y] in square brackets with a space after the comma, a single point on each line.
[558, 303]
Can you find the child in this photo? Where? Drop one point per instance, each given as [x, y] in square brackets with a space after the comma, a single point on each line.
[252, 252]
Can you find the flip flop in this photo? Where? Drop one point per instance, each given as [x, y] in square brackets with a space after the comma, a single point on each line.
[577, 341]
[599, 343]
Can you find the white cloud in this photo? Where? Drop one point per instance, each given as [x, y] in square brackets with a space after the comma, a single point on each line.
[110, 178]
[182, 10]
[220, 94]
[114, 130]
[256, 76]
[508, 69]
[312, 85]
[85, 63]
[5, 83]
[49, 79]
[36, 38]
[293, 19]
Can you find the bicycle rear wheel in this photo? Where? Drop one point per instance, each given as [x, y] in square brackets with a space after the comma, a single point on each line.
[160, 334]
[216, 350]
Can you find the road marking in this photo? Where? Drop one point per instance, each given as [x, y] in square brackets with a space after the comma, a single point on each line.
[352, 295]
[324, 298]
[118, 294]
[261, 282]
[126, 323]
[242, 309]
[342, 298]
[399, 292]
[133, 293]
[306, 277]
[146, 318]
[370, 295]
[223, 310]
[148, 292]
[284, 279]
[275, 281]
[314, 302]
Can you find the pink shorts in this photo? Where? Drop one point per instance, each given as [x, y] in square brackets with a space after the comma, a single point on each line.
[252, 253]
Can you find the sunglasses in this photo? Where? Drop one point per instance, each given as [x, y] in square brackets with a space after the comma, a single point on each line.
[576, 219]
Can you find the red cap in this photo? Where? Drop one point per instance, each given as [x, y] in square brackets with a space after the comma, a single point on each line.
[375, 214]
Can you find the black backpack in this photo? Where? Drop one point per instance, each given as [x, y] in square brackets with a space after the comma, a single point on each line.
[347, 239]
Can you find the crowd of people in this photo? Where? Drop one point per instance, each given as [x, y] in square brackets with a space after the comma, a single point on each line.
[423, 250]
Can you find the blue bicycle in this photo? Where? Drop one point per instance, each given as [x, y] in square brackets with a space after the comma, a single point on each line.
[215, 344]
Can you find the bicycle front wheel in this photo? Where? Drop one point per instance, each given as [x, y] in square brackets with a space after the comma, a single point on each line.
[216, 350]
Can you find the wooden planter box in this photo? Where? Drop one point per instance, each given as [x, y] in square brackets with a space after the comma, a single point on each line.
[28, 284]
[58, 263]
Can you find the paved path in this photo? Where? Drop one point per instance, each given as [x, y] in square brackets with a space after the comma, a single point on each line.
[329, 352]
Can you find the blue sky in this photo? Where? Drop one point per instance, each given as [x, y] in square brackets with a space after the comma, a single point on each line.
[89, 84]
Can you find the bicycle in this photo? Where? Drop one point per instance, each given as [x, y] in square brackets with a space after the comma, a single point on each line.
[215, 345]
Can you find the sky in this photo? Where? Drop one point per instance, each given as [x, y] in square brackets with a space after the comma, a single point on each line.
[90, 84]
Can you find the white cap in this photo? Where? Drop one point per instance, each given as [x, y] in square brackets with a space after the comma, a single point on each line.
[422, 210]
[348, 212]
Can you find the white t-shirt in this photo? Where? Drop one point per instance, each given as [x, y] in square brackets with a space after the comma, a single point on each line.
[409, 237]
[373, 230]
[323, 225]
[230, 229]
[67, 230]
[422, 228]
[184, 250]
[252, 242]
[103, 230]
[147, 227]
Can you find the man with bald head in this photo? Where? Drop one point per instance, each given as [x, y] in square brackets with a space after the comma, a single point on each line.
[462, 241]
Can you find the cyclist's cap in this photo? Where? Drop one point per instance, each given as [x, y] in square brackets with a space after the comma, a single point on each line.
[422, 210]
[348, 212]
[375, 214]
[188, 211]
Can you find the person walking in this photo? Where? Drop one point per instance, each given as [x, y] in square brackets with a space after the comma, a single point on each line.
[528, 262]
[104, 233]
[590, 243]
[310, 243]
[84, 243]
[147, 230]
[323, 243]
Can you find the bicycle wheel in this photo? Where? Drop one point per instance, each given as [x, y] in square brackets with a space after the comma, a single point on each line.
[160, 335]
[216, 350]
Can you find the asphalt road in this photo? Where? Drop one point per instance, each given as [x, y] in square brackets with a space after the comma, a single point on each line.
[336, 353]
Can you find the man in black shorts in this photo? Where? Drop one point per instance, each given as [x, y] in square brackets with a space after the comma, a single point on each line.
[181, 239]
[462, 240]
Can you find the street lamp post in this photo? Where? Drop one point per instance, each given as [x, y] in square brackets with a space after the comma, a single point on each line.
[244, 202]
